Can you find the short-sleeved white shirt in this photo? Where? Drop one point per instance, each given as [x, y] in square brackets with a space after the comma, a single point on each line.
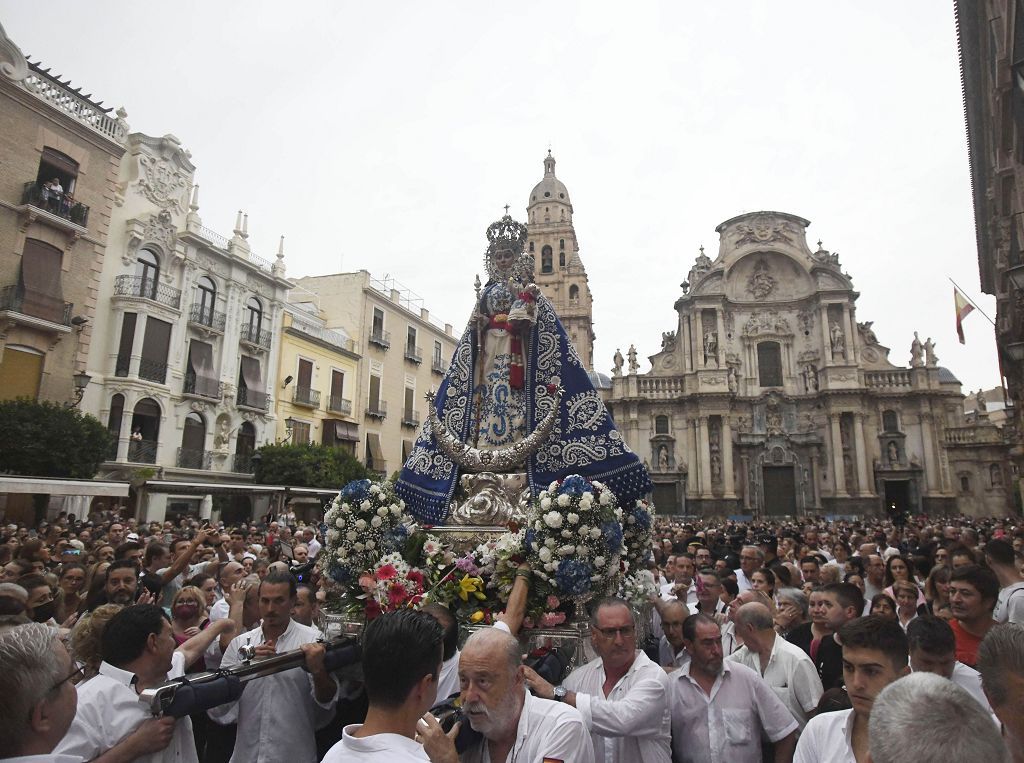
[377, 748]
[790, 673]
[828, 736]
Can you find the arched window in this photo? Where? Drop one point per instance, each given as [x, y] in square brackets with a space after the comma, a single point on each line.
[890, 421]
[561, 259]
[116, 414]
[574, 293]
[546, 262]
[206, 297]
[253, 319]
[531, 246]
[769, 364]
[965, 483]
[561, 244]
[661, 425]
[147, 270]
[995, 475]
[145, 432]
[245, 446]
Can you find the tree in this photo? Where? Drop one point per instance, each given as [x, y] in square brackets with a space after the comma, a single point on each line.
[45, 439]
[307, 466]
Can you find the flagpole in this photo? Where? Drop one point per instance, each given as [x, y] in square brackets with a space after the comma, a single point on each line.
[968, 298]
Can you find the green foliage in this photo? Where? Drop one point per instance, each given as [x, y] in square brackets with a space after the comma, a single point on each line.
[309, 465]
[48, 440]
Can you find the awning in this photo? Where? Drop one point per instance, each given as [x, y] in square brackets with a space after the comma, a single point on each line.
[200, 357]
[373, 443]
[181, 487]
[48, 486]
[59, 161]
[40, 281]
[344, 430]
[156, 341]
[255, 392]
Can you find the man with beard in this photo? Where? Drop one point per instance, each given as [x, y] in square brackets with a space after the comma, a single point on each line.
[516, 726]
[874, 655]
[621, 695]
[721, 709]
[122, 583]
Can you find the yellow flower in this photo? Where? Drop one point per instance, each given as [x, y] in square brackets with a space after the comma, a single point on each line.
[471, 585]
[476, 616]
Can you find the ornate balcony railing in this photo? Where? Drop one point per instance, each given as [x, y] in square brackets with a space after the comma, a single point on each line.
[898, 378]
[663, 387]
[142, 451]
[204, 316]
[413, 353]
[338, 404]
[242, 463]
[76, 107]
[333, 338]
[194, 459]
[141, 287]
[37, 305]
[977, 435]
[189, 388]
[381, 338]
[255, 336]
[253, 399]
[153, 370]
[63, 205]
[437, 366]
[410, 418]
[377, 409]
[307, 397]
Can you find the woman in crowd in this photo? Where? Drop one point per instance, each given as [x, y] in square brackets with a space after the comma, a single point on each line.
[792, 610]
[70, 585]
[883, 604]
[188, 617]
[207, 584]
[906, 602]
[87, 638]
[900, 568]
[97, 577]
[855, 579]
[763, 580]
[936, 591]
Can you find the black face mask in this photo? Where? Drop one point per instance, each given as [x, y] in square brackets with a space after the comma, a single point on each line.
[42, 613]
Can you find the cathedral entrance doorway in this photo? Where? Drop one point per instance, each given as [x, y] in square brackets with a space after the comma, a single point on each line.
[779, 486]
[897, 496]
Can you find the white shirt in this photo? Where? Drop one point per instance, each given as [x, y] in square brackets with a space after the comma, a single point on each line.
[314, 548]
[669, 657]
[547, 729]
[1010, 604]
[448, 680]
[726, 726]
[170, 589]
[632, 722]
[380, 748]
[827, 737]
[690, 597]
[220, 609]
[109, 710]
[742, 581]
[276, 715]
[790, 673]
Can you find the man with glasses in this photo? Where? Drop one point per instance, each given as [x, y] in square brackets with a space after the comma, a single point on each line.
[37, 693]
[751, 559]
[621, 696]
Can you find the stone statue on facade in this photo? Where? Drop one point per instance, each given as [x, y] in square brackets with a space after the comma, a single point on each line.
[810, 375]
[837, 339]
[930, 358]
[711, 347]
[916, 352]
[618, 361]
[733, 377]
[663, 458]
[893, 453]
[633, 365]
[981, 402]
[668, 341]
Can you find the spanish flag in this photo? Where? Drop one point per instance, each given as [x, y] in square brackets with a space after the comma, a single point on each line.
[963, 309]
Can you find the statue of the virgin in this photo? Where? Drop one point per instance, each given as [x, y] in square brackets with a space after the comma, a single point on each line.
[516, 402]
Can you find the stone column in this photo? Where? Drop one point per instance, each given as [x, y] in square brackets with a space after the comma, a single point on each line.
[686, 343]
[851, 335]
[745, 480]
[705, 457]
[815, 479]
[838, 472]
[698, 356]
[720, 345]
[125, 430]
[693, 459]
[730, 484]
[827, 354]
[862, 456]
[931, 467]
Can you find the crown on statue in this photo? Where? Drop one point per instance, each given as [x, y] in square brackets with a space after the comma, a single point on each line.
[506, 235]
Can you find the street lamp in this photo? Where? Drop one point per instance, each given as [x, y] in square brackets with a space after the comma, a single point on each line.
[81, 381]
[289, 425]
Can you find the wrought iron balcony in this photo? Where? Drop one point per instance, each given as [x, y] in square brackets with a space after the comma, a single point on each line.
[194, 459]
[255, 336]
[142, 451]
[189, 388]
[381, 338]
[338, 404]
[437, 366]
[141, 287]
[307, 397]
[242, 463]
[377, 409]
[61, 204]
[410, 419]
[413, 353]
[253, 399]
[153, 370]
[36, 305]
[207, 317]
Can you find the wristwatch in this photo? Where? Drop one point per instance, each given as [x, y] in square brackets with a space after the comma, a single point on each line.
[560, 692]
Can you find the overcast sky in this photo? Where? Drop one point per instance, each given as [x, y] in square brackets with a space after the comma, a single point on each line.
[387, 136]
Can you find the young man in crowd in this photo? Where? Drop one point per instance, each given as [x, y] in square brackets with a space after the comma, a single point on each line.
[973, 592]
[1001, 664]
[875, 654]
[1000, 556]
[933, 650]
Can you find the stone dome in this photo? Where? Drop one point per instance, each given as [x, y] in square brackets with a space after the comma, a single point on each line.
[549, 188]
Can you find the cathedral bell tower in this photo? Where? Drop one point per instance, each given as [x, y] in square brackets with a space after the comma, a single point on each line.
[559, 270]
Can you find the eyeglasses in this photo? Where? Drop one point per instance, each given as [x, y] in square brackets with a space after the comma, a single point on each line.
[625, 631]
[77, 673]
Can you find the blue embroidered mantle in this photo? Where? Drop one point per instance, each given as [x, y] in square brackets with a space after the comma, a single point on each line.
[584, 440]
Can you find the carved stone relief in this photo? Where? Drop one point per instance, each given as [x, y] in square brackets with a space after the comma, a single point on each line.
[761, 282]
[764, 230]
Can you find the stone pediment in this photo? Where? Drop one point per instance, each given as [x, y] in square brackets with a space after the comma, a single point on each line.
[710, 284]
[766, 277]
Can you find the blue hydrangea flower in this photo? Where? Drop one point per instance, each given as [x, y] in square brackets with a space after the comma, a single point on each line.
[356, 491]
[612, 532]
[574, 485]
[643, 519]
[573, 577]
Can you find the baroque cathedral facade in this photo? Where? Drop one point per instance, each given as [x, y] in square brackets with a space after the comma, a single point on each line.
[769, 398]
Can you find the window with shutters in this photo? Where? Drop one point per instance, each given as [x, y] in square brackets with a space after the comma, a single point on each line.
[155, 344]
[39, 292]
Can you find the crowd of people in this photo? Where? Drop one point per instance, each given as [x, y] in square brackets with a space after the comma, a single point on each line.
[819, 641]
